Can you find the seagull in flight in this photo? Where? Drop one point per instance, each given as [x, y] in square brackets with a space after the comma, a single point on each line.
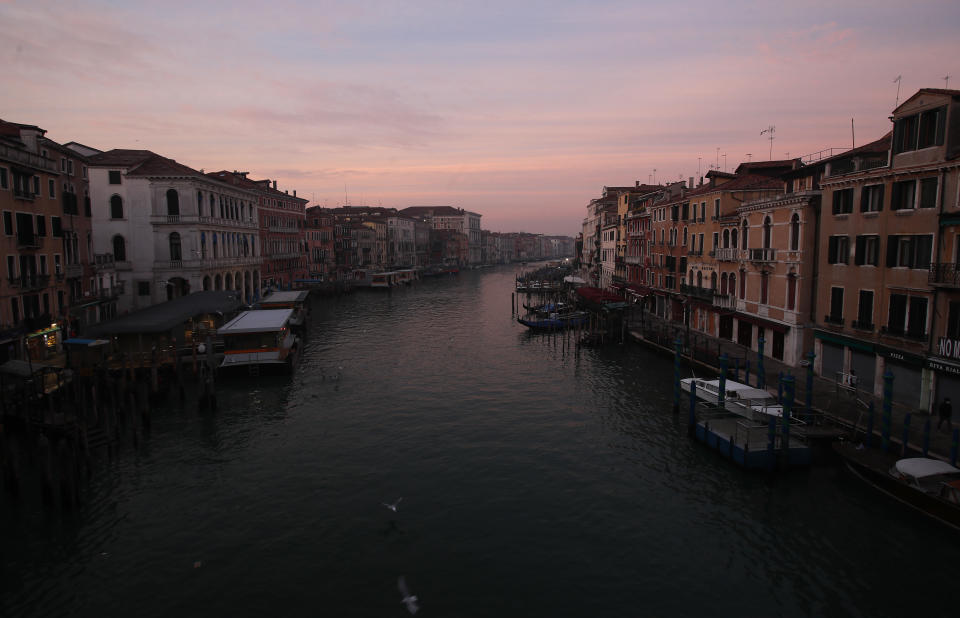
[393, 507]
[410, 600]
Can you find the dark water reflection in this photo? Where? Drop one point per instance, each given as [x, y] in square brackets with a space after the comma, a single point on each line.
[535, 482]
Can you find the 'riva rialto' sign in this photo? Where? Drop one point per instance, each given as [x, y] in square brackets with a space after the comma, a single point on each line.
[949, 348]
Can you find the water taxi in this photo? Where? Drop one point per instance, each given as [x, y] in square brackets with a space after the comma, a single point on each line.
[259, 339]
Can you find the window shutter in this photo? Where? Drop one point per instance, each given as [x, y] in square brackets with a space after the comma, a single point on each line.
[858, 258]
[880, 198]
[863, 199]
[897, 136]
[911, 249]
[892, 250]
[836, 202]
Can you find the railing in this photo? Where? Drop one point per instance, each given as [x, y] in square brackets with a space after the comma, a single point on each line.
[27, 158]
[633, 259]
[103, 259]
[111, 292]
[896, 331]
[869, 164]
[224, 262]
[859, 325]
[944, 274]
[696, 292]
[833, 319]
[768, 254]
[728, 254]
[725, 301]
[204, 220]
[73, 270]
[697, 253]
[30, 282]
[31, 241]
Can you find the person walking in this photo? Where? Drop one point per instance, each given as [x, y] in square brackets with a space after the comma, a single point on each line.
[946, 412]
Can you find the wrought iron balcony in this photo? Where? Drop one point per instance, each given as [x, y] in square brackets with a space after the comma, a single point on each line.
[725, 301]
[30, 282]
[833, 319]
[944, 275]
[29, 241]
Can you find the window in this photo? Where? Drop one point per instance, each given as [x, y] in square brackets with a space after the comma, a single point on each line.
[716, 208]
[795, 232]
[928, 192]
[12, 268]
[764, 287]
[836, 306]
[838, 250]
[867, 250]
[909, 251]
[871, 198]
[173, 202]
[36, 185]
[143, 288]
[767, 232]
[116, 207]
[716, 241]
[8, 223]
[69, 167]
[953, 320]
[56, 229]
[791, 291]
[843, 201]
[917, 319]
[903, 195]
[897, 315]
[52, 186]
[114, 177]
[175, 252]
[41, 225]
[119, 248]
[743, 240]
[865, 310]
[743, 283]
[905, 134]
[4, 183]
[930, 129]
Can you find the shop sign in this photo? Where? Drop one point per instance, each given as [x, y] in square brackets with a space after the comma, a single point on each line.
[948, 348]
[900, 356]
[943, 366]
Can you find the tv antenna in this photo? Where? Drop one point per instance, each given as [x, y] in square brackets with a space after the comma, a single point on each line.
[946, 82]
[749, 157]
[771, 130]
[897, 81]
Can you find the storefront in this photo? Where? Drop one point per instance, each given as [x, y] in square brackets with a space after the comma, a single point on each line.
[907, 370]
[946, 369]
[44, 343]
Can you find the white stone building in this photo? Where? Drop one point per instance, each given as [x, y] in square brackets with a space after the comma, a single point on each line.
[171, 229]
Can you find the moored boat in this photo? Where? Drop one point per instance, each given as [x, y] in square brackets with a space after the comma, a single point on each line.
[555, 321]
[296, 300]
[928, 485]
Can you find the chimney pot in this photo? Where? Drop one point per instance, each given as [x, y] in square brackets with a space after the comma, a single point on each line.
[274, 185]
[691, 182]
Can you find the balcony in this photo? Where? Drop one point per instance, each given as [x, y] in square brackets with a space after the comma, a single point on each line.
[728, 254]
[725, 301]
[763, 255]
[73, 271]
[864, 326]
[833, 319]
[699, 293]
[193, 220]
[633, 259]
[895, 331]
[697, 253]
[29, 241]
[35, 161]
[944, 275]
[30, 282]
[204, 263]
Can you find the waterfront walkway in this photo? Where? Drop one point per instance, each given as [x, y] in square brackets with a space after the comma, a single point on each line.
[844, 406]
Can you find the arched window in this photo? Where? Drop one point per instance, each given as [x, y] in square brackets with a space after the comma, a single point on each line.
[726, 238]
[723, 284]
[791, 291]
[203, 247]
[713, 281]
[690, 278]
[764, 288]
[199, 203]
[767, 232]
[175, 252]
[684, 236]
[212, 206]
[173, 202]
[215, 252]
[732, 285]
[733, 238]
[699, 278]
[795, 232]
[744, 238]
[119, 248]
[116, 207]
[743, 284]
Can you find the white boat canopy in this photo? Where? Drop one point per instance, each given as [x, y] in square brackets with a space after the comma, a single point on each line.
[285, 297]
[257, 321]
[920, 467]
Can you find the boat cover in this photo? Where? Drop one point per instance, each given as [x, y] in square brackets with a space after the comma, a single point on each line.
[920, 467]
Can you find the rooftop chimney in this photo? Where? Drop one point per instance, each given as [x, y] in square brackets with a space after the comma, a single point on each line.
[294, 193]
[274, 185]
[638, 183]
[691, 182]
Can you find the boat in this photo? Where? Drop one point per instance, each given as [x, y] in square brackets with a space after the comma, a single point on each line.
[384, 280]
[548, 308]
[296, 300]
[260, 338]
[928, 485]
[555, 321]
[741, 429]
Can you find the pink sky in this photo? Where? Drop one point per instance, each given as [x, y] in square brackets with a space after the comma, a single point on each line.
[521, 113]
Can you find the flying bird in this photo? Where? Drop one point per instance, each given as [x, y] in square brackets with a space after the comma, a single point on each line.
[410, 600]
[394, 506]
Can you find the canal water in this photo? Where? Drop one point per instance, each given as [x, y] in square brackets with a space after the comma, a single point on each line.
[534, 482]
